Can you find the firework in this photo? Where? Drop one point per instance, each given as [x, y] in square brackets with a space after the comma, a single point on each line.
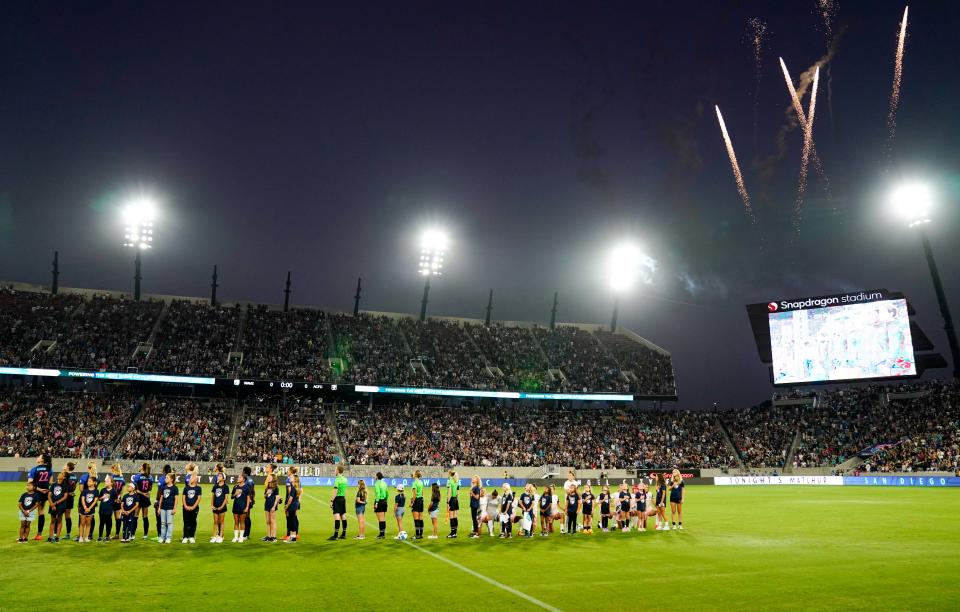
[801, 116]
[756, 37]
[807, 146]
[737, 176]
[827, 10]
[897, 76]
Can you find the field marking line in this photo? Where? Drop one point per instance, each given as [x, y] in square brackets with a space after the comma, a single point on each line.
[467, 570]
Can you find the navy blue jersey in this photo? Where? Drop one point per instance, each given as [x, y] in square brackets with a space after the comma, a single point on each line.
[191, 495]
[676, 493]
[118, 484]
[248, 485]
[572, 500]
[107, 498]
[526, 502]
[39, 475]
[475, 497]
[640, 498]
[220, 492]
[400, 500]
[88, 500]
[604, 502]
[71, 482]
[545, 501]
[506, 503]
[28, 501]
[58, 491]
[269, 498]
[86, 477]
[661, 494]
[239, 495]
[291, 493]
[169, 499]
[587, 498]
[130, 502]
[144, 484]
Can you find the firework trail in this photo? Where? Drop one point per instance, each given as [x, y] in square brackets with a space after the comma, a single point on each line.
[737, 176]
[805, 155]
[827, 10]
[801, 116]
[756, 37]
[897, 76]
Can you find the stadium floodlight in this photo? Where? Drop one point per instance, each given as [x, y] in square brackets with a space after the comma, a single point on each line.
[913, 202]
[138, 217]
[433, 249]
[626, 265]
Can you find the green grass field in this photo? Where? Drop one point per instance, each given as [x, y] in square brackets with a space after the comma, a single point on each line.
[742, 548]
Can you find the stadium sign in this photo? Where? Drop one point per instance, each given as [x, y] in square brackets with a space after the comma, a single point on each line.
[902, 481]
[826, 300]
[778, 480]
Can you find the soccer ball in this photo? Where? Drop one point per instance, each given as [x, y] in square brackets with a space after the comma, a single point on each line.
[402, 535]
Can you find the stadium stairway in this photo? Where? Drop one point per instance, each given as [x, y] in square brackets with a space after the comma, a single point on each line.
[791, 453]
[231, 451]
[330, 414]
[133, 421]
[728, 441]
[156, 325]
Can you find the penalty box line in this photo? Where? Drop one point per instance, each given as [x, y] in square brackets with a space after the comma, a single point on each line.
[467, 570]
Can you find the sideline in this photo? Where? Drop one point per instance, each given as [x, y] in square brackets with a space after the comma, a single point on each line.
[477, 575]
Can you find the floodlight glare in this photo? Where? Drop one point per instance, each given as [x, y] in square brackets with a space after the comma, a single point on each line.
[433, 246]
[626, 265]
[912, 202]
[138, 216]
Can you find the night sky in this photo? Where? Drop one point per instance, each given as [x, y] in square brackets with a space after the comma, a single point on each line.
[322, 138]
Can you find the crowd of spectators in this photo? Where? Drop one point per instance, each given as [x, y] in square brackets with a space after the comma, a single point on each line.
[27, 317]
[514, 351]
[65, 424]
[392, 436]
[651, 371]
[586, 365]
[285, 432]
[284, 345]
[447, 354]
[372, 349]
[764, 433]
[194, 338]
[179, 429]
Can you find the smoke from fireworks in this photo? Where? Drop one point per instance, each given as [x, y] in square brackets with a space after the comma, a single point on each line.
[897, 75]
[801, 117]
[737, 175]
[756, 37]
[805, 154]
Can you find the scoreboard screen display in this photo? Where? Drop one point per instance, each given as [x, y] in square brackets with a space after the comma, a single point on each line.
[832, 339]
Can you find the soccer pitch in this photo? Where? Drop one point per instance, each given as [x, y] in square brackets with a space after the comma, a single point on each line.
[742, 548]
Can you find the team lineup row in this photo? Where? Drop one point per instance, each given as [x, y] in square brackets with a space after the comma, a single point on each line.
[121, 505]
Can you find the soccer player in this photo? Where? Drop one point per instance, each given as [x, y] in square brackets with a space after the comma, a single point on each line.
[638, 507]
[59, 498]
[71, 483]
[399, 506]
[677, 496]
[39, 475]
[119, 483]
[339, 504]
[546, 514]
[491, 511]
[191, 507]
[586, 508]
[168, 508]
[144, 484]
[475, 506]
[129, 505]
[241, 506]
[380, 504]
[605, 508]
[27, 505]
[416, 506]
[623, 496]
[527, 509]
[271, 499]
[662, 523]
[90, 473]
[506, 512]
[434, 509]
[221, 496]
[108, 506]
[573, 508]
[252, 493]
[453, 503]
[292, 504]
[88, 504]
[161, 485]
[360, 508]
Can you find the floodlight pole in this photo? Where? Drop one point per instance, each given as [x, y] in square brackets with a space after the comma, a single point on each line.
[356, 299]
[489, 308]
[553, 311]
[616, 311]
[942, 300]
[286, 294]
[136, 275]
[55, 286]
[423, 302]
[213, 287]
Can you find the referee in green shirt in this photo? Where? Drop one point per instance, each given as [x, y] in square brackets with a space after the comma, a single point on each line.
[453, 504]
[416, 505]
[380, 493]
[339, 504]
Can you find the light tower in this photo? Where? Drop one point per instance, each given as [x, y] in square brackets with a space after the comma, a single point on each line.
[433, 247]
[626, 264]
[138, 217]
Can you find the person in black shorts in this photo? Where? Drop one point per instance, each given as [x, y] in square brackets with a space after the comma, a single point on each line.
[586, 499]
[453, 504]
[71, 482]
[40, 475]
